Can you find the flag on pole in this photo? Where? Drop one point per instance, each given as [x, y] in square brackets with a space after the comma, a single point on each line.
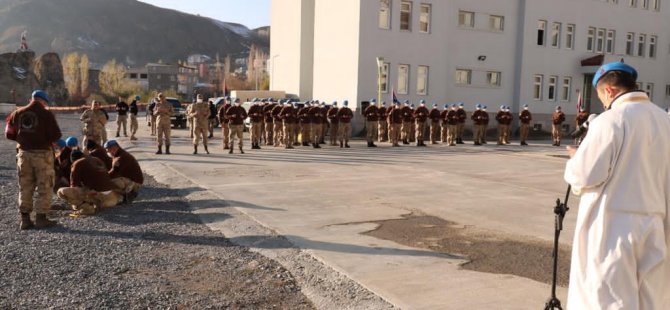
[394, 98]
[580, 102]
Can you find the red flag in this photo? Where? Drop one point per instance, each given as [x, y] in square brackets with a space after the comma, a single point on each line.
[580, 103]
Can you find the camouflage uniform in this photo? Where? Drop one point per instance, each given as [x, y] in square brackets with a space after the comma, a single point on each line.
[94, 125]
[199, 113]
[163, 112]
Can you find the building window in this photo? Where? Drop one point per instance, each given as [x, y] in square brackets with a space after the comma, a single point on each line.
[497, 23]
[406, 15]
[422, 80]
[649, 89]
[403, 79]
[158, 76]
[566, 88]
[143, 76]
[551, 93]
[667, 91]
[632, 3]
[493, 78]
[541, 29]
[589, 39]
[630, 43]
[569, 36]
[537, 87]
[424, 19]
[645, 4]
[656, 4]
[385, 14]
[652, 46]
[556, 35]
[638, 86]
[463, 76]
[641, 42]
[600, 41]
[466, 19]
[385, 77]
[133, 75]
[609, 45]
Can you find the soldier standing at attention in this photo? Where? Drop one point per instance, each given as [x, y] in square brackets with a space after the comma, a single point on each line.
[236, 114]
[452, 125]
[189, 118]
[334, 123]
[121, 117]
[200, 113]
[445, 124]
[289, 118]
[395, 117]
[225, 122]
[412, 126]
[504, 119]
[485, 121]
[382, 133]
[267, 118]
[434, 116]
[557, 119]
[133, 118]
[256, 118]
[324, 122]
[35, 129]
[163, 112]
[344, 115]
[151, 117]
[315, 114]
[406, 122]
[525, 118]
[477, 120]
[94, 123]
[212, 118]
[462, 116]
[278, 124]
[305, 123]
[421, 115]
[372, 120]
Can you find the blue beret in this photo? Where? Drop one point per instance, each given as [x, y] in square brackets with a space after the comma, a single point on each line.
[613, 66]
[71, 142]
[110, 143]
[60, 143]
[41, 94]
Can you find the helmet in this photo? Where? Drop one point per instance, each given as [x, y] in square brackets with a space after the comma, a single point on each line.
[71, 142]
[41, 94]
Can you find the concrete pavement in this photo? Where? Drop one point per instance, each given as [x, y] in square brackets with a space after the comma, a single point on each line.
[322, 199]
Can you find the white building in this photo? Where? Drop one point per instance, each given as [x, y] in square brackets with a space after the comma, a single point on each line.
[512, 52]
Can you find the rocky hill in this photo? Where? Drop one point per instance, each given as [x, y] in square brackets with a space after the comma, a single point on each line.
[128, 30]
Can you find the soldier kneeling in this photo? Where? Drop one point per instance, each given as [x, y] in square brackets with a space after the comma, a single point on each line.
[126, 173]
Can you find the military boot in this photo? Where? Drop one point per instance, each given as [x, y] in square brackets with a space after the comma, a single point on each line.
[230, 149]
[167, 149]
[346, 145]
[160, 150]
[241, 151]
[341, 144]
[41, 221]
[195, 149]
[26, 223]
[206, 150]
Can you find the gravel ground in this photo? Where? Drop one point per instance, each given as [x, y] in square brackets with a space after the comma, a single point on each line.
[155, 254]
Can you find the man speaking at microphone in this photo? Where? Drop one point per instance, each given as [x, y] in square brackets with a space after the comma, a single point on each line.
[620, 254]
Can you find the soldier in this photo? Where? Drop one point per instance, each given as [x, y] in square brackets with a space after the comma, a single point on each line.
[406, 122]
[462, 116]
[412, 127]
[434, 116]
[289, 118]
[189, 118]
[200, 114]
[126, 173]
[344, 115]
[315, 114]
[262, 138]
[62, 164]
[421, 115]
[121, 117]
[236, 114]
[485, 120]
[151, 117]
[163, 112]
[395, 118]
[324, 122]
[256, 119]
[557, 119]
[524, 118]
[445, 124]
[91, 188]
[225, 122]
[267, 120]
[372, 119]
[95, 150]
[278, 123]
[581, 118]
[305, 123]
[212, 118]
[504, 119]
[133, 118]
[104, 129]
[35, 129]
[94, 123]
[383, 123]
[334, 123]
[452, 125]
[477, 119]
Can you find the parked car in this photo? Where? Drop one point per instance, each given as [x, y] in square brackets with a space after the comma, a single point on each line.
[178, 118]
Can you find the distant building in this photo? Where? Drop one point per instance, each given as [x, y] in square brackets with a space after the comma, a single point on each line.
[139, 76]
[187, 77]
[162, 76]
[505, 52]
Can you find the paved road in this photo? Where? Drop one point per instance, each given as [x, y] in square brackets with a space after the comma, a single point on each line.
[322, 200]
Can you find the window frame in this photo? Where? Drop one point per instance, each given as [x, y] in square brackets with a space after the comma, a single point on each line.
[406, 84]
[600, 40]
[649, 89]
[466, 13]
[591, 39]
[570, 36]
[541, 33]
[489, 78]
[632, 3]
[630, 44]
[426, 78]
[551, 87]
[610, 41]
[468, 74]
[652, 51]
[385, 78]
[389, 13]
[537, 87]
[428, 17]
[556, 34]
[566, 88]
[500, 23]
[408, 13]
[641, 45]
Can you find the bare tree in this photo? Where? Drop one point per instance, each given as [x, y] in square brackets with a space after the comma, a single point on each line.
[72, 75]
[83, 69]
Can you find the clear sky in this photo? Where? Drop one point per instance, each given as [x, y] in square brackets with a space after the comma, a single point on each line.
[251, 13]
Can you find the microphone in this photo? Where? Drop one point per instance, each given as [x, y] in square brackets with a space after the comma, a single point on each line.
[583, 128]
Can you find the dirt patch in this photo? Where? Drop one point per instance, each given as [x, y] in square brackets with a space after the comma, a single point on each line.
[486, 251]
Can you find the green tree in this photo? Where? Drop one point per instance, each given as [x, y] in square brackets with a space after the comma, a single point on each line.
[83, 74]
[72, 75]
[113, 81]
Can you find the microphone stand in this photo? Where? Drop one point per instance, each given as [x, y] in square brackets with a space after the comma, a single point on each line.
[559, 210]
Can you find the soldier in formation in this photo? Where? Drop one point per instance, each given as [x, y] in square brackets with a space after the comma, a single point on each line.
[163, 112]
[434, 116]
[199, 112]
[256, 116]
[372, 122]
[334, 123]
[460, 128]
[344, 116]
[236, 115]
[504, 118]
[420, 117]
[525, 118]
[557, 119]
[383, 123]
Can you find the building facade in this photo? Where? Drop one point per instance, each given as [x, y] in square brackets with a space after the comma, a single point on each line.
[506, 52]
